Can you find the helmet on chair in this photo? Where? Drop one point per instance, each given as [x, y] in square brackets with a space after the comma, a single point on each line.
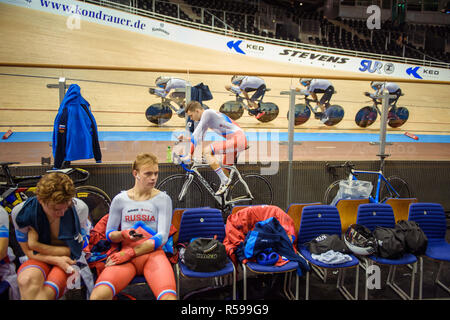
[305, 81]
[376, 85]
[236, 79]
[161, 81]
[360, 240]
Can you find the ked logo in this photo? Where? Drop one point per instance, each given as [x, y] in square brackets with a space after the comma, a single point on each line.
[415, 72]
[236, 46]
[313, 56]
[376, 67]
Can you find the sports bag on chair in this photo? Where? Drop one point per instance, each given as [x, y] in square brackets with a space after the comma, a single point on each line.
[390, 242]
[416, 241]
[205, 255]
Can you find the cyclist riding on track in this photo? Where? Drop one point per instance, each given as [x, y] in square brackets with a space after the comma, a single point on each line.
[166, 85]
[223, 126]
[314, 86]
[245, 84]
[391, 87]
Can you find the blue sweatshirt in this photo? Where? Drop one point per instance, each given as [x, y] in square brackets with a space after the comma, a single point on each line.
[75, 133]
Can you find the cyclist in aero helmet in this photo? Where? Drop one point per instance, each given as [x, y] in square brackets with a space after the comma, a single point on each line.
[166, 85]
[246, 84]
[314, 86]
[391, 87]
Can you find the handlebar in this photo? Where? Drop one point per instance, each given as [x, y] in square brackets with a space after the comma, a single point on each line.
[12, 180]
[332, 167]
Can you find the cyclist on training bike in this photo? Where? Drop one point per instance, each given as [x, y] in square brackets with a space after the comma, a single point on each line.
[391, 87]
[223, 126]
[314, 86]
[245, 84]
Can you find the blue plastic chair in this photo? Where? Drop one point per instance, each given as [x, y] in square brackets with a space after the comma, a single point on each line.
[204, 223]
[324, 219]
[374, 215]
[431, 219]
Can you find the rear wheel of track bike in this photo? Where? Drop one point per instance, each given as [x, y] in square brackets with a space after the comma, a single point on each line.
[331, 192]
[399, 185]
[96, 199]
[172, 185]
[259, 187]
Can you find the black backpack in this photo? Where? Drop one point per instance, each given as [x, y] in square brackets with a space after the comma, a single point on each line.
[416, 241]
[205, 255]
[390, 242]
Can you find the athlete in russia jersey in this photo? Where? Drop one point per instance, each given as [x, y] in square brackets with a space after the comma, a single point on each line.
[139, 220]
[151, 217]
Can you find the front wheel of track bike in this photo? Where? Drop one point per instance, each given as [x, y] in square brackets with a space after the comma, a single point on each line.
[172, 185]
[331, 192]
[97, 201]
[399, 185]
[258, 185]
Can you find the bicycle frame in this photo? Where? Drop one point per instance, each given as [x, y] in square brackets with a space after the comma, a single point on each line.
[222, 199]
[379, 179]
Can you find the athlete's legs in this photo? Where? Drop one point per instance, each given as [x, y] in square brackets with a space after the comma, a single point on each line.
[40, 281]
[326, 97]
[159, 275]
[112, 280]
[234, 144]
[31, 281]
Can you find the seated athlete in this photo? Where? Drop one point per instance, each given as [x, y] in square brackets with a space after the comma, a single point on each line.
[139, 219]
[391, 87]
[245, 84]
[314, 86]
[223, 126]
[51, 229]
[7, 266]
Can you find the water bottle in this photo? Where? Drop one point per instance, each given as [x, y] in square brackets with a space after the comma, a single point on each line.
[169, 154]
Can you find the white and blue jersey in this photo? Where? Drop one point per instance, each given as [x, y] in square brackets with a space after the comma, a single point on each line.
[219, 122]
[153, 215]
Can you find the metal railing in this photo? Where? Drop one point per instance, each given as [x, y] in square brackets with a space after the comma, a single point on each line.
[241, 35]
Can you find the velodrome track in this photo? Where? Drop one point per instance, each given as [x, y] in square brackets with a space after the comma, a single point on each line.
[119, 99]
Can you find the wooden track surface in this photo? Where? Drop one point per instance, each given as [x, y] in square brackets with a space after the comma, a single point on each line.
[119, 105]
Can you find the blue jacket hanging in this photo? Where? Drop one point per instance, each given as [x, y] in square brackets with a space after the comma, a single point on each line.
[75, 135]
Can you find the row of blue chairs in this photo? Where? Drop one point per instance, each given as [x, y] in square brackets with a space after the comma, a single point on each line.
[324, 219]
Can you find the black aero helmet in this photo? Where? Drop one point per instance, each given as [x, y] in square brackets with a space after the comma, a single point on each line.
[360, 240]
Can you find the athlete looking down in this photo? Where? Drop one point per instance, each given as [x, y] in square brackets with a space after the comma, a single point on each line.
[223, 126]
[51, 229]
[140, 220]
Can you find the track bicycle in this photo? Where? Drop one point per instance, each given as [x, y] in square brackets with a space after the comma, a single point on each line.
[160, 113]
[190, 190]
[391, 187]
[235, 109]
[366, 116]
[333, 113]
[16, 189]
